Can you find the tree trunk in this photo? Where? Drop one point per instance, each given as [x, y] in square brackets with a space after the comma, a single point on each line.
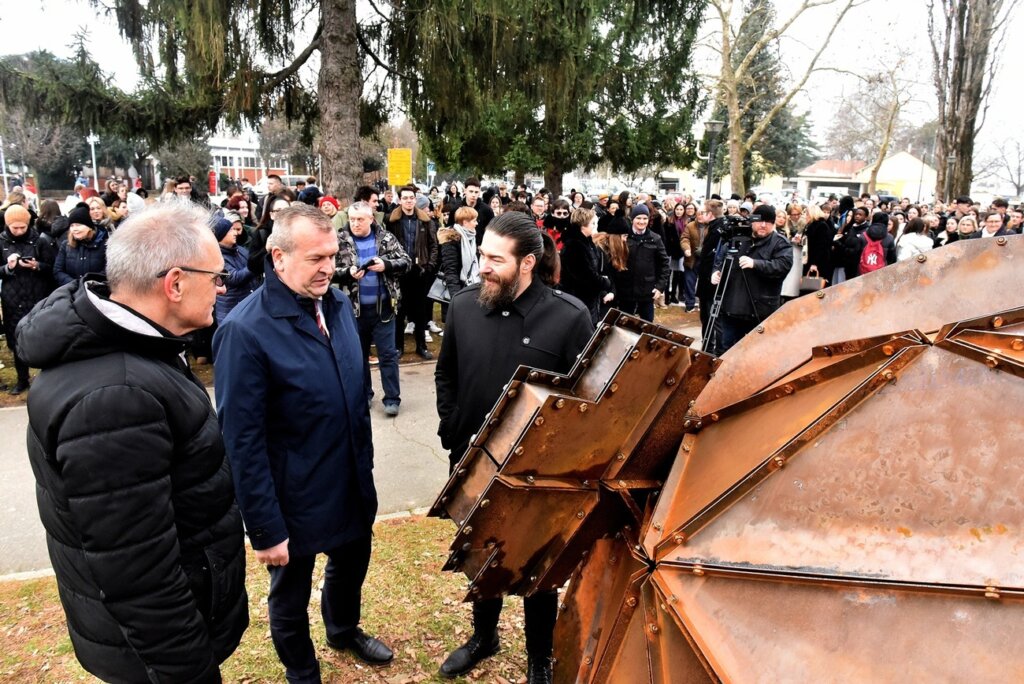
[340, 87]
[962, 74]
[553, 172]
[520, 177]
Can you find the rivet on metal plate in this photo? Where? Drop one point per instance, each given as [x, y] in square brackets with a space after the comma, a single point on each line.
[657, 526]
[788, 389]
[467, 546]
[760, 329]
[560, 403]
[635, 354]
[699, 425]
[679, 539]
[888, 349]
[606, 329]
[586, 483]
[820, 294]
[992, 593]
[531, 479]
[672, 350]
[631, 602]
[714, 417]
[693, 402]
[444, 499]
[654, 628]
[512, 393]
[1017, 344]
[779, 461]
[672, 598]
[921, 258]
[588, 661]
[686, 448]
[539, 421]
[997, 322]
[533, 578]
[645, 327]
[494, 564]
[534, 375]
[687, 423]
[614, 388]
[888, 375]
[468, 529]
[475, 590]
[485, 503]
[991, 361]
[1001, 241]
[580, 515]
[462, 471]
[670, 381]
[620, 456]
[583, 408]
[585, 363]
[698, 571]
[556, 381]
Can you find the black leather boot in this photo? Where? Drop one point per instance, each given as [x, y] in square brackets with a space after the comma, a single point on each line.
[538, 670]
[465, 657]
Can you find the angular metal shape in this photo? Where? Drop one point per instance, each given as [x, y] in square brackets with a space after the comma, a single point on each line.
[844, 504]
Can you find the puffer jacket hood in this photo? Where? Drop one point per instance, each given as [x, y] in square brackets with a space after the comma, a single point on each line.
[67, 327]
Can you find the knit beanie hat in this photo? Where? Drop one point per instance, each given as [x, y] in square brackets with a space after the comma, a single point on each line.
[327, 199]
[765, 212]
[80, 214]
[220, 228]
[639, 209]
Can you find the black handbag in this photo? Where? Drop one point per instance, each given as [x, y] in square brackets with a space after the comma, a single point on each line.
[439, 290]
[812, 282]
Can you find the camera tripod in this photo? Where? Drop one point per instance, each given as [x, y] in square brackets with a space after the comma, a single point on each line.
[728, 266]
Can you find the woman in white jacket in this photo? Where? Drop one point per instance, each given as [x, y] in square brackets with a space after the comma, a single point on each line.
[914, 240]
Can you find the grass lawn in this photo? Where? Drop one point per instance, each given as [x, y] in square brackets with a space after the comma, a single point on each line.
[407, 601]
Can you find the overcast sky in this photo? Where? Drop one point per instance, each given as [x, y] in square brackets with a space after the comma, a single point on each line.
[869, 36]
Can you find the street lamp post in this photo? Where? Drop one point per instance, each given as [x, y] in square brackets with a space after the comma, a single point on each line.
[950, 160]
[713, 128]
[92, 139]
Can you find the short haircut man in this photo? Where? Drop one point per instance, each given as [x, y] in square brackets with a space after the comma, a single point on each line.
[302, 460]
[135, 495]
[183, 187]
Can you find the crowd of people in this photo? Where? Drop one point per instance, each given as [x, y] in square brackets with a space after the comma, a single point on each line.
[298, 290]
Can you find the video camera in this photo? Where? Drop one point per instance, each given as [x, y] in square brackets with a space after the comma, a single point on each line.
[737, 226]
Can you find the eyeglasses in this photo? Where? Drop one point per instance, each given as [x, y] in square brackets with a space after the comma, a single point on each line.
[218, 278]
[560, 212]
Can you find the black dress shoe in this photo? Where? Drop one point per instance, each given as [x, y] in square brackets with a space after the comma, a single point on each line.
[425, 353]
[17, 389]
[538, 670]
[465, 657]
[367, 648]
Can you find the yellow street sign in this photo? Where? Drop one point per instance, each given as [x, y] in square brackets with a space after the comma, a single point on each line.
[399, 166]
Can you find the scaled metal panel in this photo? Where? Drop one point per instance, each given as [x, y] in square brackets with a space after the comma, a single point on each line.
[838, 500]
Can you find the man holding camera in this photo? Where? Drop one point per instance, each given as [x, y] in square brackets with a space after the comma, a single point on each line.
[753, 290]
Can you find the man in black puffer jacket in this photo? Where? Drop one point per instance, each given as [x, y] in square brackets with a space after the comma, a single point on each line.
[132, 482]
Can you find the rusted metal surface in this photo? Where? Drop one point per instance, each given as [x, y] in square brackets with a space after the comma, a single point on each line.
[843, 505]
[561, 461]
[962, 281]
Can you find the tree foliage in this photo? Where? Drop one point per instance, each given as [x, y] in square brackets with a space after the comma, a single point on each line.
[202, 62]
[741, 53]
[549, 85]
[185, 158]
[786, 146]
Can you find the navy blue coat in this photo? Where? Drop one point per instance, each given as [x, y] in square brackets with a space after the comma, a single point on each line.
[86, 257]
[296, 420]
[240, 282]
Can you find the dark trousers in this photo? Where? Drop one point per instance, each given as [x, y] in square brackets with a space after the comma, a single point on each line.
[644, 310]
[415, 307]
[20, 367]
[713, 336]
[340, 600]
[733, 330]
[379, 330]
[540, 611]
[689, 288]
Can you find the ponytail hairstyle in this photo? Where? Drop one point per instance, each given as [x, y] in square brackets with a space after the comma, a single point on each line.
[529, 239]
